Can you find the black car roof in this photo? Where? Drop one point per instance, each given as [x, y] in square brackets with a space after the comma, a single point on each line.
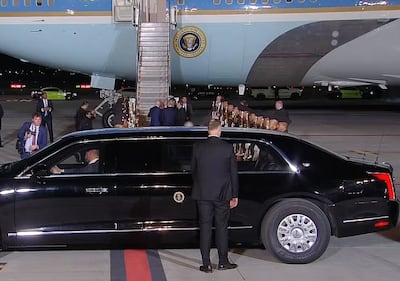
[178, 131]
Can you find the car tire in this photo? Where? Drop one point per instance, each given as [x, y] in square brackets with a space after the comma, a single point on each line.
[108, 118]
[296, 231]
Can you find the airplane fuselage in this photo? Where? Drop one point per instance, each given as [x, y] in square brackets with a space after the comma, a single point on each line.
[254, 42]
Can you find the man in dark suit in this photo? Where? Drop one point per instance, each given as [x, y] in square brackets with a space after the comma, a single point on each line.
[92, 166]
[187, 108]
[45, 107]
[168, 114]
[32, 136]
[155, 114]
[1, 116]
[216, 188]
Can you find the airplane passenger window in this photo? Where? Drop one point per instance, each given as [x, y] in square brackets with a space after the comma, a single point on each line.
[265, 1]
[217, 2]
[301, 1]
[253, 1]
[39, 2]
[313, 1]
[228, 1]
[240, 1]
[277, 1]
[181, 2]
[15, 3]
[27, 3]
[50, 2]
[4, 3]
[289, 1]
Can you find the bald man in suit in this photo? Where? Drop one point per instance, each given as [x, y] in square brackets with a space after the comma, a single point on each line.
[215, 188]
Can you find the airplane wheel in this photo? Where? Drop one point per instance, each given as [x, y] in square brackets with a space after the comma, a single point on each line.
[108, 118]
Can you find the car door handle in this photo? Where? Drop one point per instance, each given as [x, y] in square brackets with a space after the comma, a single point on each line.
[96, 190]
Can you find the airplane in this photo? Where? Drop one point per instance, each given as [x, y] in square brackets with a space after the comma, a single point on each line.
[219, 42]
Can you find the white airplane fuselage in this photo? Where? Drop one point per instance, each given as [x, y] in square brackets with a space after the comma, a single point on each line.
[252, 42]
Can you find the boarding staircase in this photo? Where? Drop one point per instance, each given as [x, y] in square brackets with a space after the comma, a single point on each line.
[153, 66]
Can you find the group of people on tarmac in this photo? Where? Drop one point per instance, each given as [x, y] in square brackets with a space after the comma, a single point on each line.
[241, 115]
[176, 113]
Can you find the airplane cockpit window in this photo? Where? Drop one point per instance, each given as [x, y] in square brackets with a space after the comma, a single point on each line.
[39, 2]
[27, 3]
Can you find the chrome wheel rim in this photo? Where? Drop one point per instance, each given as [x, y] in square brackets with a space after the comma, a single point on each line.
[297, 233]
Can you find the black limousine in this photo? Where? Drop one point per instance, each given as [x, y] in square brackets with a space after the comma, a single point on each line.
[293, 194]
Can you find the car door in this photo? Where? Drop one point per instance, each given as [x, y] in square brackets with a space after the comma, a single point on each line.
[263, 175]
[154, 185]
[65, 208]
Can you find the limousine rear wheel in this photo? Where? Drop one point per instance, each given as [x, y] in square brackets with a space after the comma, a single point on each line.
[296, 231]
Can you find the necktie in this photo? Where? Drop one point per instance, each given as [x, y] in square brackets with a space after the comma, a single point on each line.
[45, 105]
[34, 138]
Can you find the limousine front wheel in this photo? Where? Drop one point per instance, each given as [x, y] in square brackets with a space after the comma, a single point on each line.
[296, 231]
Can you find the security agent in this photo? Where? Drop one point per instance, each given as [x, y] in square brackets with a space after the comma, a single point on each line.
[215, 188]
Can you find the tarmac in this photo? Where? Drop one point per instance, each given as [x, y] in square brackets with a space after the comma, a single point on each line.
[371, 132]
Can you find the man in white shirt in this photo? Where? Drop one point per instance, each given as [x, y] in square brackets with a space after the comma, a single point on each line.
[32, 136]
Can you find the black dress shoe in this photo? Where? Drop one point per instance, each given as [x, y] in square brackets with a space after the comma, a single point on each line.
[206, 268]
[226, 266]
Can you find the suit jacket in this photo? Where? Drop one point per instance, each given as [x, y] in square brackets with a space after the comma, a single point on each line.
[1, 114]
[40, 105]
[42, 136]
[214, 170]
[155, 116]
[188, 112]
[168, 116]
[88, 169]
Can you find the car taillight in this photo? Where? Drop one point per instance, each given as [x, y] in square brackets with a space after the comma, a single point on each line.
[387, 178]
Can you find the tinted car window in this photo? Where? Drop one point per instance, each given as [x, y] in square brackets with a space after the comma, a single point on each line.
[254, 156]
[133, 156]
[148, 156]
[73, 158]
[177, 155]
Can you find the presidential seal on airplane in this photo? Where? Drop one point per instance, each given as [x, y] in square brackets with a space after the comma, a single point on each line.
[190, 42]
